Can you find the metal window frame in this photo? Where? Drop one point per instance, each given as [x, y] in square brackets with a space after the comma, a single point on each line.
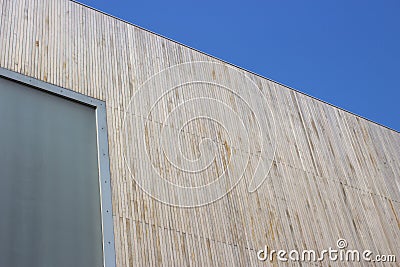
[107, 224]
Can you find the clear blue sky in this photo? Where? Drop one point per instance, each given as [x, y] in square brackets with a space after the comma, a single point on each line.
[345, 52]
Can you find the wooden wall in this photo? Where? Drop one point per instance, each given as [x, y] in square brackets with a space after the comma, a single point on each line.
[334, 175]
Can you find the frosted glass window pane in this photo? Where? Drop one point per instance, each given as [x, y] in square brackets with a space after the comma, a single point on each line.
[49, 187]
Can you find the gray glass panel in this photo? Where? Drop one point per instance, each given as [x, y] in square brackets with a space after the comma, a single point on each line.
[49, 182]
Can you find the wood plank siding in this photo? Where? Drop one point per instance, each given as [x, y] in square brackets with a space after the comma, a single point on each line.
[333, 175]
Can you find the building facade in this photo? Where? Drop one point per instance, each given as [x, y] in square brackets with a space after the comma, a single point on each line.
[209, 163]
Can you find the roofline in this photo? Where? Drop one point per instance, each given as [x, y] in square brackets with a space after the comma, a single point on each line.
[249, 71]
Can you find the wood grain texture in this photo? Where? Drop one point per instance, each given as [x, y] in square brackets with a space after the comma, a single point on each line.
[334, 175]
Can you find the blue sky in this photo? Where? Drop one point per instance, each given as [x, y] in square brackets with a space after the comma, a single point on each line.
[344, 52]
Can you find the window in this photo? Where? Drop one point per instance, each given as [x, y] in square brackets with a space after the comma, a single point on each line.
[55, 200]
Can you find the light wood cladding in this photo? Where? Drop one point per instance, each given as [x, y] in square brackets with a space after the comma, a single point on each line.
[335, 175]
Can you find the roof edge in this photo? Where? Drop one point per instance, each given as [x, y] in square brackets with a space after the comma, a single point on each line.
[226, 62]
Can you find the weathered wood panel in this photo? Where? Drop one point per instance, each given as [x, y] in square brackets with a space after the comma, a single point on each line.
[334, 175]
